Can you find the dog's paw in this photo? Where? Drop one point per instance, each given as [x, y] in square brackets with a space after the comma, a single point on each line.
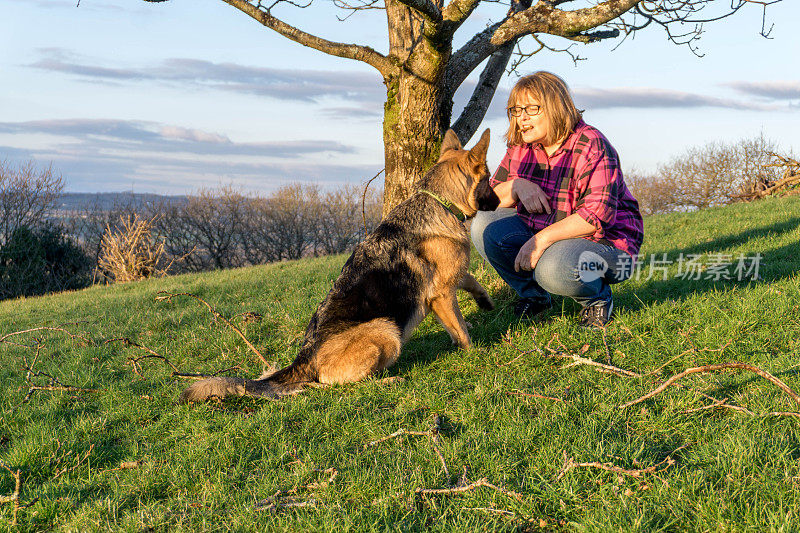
[485, 303]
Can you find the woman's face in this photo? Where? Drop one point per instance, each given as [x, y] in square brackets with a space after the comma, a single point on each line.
[534, 129]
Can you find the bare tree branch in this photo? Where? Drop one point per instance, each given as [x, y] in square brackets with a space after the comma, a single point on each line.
[454, 15]
[473, 113]
[349, 51]
[426, 8]
[471, 117]
[544, 17]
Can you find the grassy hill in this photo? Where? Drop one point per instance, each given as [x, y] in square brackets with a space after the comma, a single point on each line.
[511, 410]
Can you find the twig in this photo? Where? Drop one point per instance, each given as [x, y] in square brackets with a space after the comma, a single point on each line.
[189, 375]
[134, 361]
[672, 359]
[399, 433]
[690, 350]
[289, 498]
[434, 432]
[364, 200]
[55, 383]
[65, 388]
[483, 482]
[324, 484]
[46, 328]
[490, 510]
[608, 349]
[718, 404]
[712, 368]
[578, 360]
[66, 470]
[634, 335]
[507, 340]
[569, 464]
[169, 296]
[272, 503]
[534, 395]
[152, 354]
[14, 496]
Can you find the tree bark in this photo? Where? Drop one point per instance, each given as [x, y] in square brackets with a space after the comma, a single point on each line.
[412, 125]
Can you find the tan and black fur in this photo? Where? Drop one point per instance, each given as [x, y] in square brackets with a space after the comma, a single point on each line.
[412, 264]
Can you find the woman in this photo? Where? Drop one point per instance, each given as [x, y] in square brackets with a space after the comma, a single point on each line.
[577, 228]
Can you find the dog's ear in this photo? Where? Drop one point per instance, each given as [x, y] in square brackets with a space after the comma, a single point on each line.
[450, 142]
[478, 152]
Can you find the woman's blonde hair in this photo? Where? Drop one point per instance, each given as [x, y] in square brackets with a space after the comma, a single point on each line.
[553, 95]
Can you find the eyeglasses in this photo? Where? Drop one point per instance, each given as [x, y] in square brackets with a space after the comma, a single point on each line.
[530, 110]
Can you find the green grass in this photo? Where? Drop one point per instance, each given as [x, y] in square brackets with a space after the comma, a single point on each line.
[205, 467]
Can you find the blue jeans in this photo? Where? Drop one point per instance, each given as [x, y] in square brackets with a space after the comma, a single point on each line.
[579, 268]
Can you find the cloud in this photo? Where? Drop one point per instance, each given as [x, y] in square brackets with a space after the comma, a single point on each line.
[108, 154]
[97, 135]
[284, 84]
[166, 174]
[776, 90]
[354, 113]
[591, 98]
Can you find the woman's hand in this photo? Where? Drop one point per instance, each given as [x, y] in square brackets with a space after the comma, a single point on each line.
[531, 196]
[529, 254]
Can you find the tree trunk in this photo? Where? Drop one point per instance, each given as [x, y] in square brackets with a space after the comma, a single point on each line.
[412, 120]
[411, 139]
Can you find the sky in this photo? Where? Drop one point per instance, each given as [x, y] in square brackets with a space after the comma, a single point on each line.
[170, 98]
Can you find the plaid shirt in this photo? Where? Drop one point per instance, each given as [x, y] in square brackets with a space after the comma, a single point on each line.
[583, 176]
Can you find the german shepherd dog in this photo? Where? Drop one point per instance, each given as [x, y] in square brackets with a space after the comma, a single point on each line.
[412, 264]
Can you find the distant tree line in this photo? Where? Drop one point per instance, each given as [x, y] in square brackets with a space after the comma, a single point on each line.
[43, 251]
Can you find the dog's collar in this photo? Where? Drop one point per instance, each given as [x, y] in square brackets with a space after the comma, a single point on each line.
[455, 211]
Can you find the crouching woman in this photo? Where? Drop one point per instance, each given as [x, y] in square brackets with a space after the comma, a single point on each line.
[575, 228]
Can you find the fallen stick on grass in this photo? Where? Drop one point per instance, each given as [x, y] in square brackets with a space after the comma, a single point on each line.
[713, 368]
[86, 341]
[433, 433]
[14, 496]
[54, 385]
[490, 510]
[483, 482]
[569, 464]
[163, 295]
[534, 395]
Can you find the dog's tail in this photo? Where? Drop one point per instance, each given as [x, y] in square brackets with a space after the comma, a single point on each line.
[289, 380]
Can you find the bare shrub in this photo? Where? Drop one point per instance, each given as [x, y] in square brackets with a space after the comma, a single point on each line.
[754, 171]
[27, 195]
[207, 223]
[341, 221]
[129, 252]
[701, 177]
[652, 191]
[89, 225]
[705, 176]
[282, 226]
